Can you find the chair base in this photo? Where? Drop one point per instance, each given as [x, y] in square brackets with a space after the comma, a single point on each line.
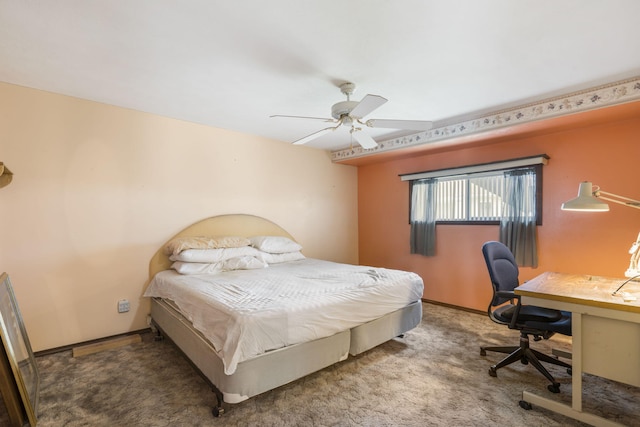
[526, 355]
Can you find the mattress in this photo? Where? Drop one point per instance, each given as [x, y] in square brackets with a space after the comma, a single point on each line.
[245, 313]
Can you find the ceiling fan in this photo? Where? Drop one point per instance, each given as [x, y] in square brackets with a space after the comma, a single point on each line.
[351, 113]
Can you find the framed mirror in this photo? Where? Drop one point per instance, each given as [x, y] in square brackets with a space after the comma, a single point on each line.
[18, 350]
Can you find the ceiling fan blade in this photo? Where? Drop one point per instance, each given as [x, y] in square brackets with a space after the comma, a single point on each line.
[324, 119]
[364, 139]
[400, 124]
[367, 105]
[314, 135]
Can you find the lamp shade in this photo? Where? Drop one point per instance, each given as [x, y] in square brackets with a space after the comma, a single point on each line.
[585, 201]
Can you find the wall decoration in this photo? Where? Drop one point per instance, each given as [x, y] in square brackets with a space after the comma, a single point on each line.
[24, 370]
[5, 175]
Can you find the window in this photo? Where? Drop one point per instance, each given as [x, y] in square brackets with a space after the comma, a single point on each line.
[506, 193]
[476, 198]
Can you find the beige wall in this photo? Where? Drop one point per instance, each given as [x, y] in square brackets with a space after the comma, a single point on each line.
[97, 189]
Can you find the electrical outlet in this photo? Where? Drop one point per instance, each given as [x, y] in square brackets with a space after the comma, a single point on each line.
[123, 306]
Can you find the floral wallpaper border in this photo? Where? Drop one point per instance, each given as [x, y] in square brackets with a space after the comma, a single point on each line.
[602, 96]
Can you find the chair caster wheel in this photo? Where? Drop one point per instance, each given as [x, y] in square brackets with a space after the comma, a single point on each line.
[493, 372]
[569, 371]
[525, 405]
[483, 352]
[554, 388]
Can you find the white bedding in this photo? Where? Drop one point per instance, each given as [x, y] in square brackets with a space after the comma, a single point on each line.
[246, 313]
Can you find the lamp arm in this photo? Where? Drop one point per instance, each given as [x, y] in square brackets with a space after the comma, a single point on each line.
[621, 200]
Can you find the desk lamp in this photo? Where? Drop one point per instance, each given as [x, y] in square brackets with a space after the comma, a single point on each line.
[590, 200]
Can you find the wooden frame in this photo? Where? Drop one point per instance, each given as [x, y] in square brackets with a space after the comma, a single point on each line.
[18, 350]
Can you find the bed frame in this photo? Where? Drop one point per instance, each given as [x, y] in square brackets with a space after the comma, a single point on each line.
[274, 368]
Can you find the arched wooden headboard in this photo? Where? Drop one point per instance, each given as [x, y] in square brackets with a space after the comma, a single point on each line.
[222, 225]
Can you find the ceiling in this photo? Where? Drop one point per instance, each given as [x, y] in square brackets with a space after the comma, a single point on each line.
[233, 64]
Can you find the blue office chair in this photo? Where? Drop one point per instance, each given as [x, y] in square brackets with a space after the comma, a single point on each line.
[505, 308]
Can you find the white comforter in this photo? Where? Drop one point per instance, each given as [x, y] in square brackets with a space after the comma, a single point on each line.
[245, 313]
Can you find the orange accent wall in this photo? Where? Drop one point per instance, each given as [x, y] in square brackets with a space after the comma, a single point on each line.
[601, 146]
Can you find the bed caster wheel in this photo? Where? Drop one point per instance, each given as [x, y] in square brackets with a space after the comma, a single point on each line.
[217, 411]
[554, 388]
[525, 405]
[482, 352]
[493, 371]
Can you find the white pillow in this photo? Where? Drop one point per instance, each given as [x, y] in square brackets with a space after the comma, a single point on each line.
[197, 267]
[237, 263]
[214, 255]
[243, 263]
[277, 258]
[274, 244]
[179, 244]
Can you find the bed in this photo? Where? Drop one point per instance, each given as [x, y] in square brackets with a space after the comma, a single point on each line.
[250, 329]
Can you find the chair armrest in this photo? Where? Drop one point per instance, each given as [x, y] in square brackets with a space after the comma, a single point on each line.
[516, 313]
[512, 296]
[507, 294]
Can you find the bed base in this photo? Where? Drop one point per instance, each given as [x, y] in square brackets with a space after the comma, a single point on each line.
[253, 376]
[160, 335]
[267, 371]
[371, 334]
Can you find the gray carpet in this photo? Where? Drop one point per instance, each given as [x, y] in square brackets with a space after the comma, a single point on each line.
[433, 376]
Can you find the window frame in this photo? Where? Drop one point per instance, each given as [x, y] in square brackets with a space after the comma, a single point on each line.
[535, 162]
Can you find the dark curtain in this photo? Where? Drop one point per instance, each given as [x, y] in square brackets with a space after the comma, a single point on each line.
[423, 217]
[518, 224]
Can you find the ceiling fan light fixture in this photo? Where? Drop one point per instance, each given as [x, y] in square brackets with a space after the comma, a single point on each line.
[349, 113]
[347, 120]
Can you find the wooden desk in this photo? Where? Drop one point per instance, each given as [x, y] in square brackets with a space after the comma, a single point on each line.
[605, 329]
